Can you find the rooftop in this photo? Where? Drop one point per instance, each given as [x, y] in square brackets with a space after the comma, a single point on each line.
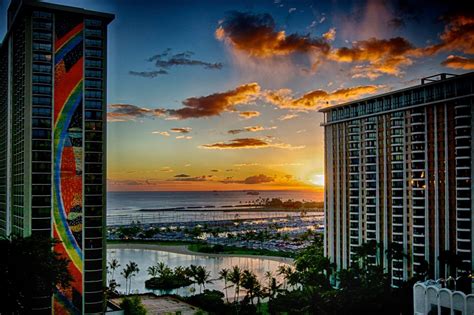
[427, 81]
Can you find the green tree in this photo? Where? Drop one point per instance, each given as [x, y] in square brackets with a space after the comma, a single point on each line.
[224, 275]
[250, 283]
[202, 277]
[130, 270]
[235, 277]
[133, 306]
[29, 268]
[113, 265]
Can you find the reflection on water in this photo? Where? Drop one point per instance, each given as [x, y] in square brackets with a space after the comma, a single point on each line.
[146, 258]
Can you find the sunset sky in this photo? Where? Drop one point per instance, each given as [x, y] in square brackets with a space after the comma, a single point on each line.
[223, 95]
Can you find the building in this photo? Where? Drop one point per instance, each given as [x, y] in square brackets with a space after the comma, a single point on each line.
[52, 141]
[432, 299]
[398, 170]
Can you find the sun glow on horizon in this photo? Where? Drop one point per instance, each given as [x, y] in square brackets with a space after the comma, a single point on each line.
[317, 180]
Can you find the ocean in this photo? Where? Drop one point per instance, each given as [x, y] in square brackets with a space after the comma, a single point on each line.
[126, 202]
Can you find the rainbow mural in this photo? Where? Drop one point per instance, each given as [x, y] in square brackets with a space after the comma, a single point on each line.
[67, 160]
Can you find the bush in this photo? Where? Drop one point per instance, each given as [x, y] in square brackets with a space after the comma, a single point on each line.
[133, 306]
[210, 301]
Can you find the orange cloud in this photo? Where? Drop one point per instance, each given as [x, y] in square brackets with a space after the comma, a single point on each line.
[458, 35]
[248, 143]
[458, 62]
[382, 56]
[249, 114]
[250, 129]
[331, 34]
[251, 180]
[215, 104]
[318, 98]
[255, 34]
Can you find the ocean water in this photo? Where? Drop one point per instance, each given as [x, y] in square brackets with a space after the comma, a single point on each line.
[126, 202]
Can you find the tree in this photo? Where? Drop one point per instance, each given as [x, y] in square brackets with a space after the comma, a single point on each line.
[133, 306]
[113, 265]
[224, 274]
[201, 276]
[235, 277]
[250, 282]
[152, 271]
[130, 270]
[29, 268]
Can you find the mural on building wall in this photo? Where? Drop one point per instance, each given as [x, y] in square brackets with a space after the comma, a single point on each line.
[68, 164]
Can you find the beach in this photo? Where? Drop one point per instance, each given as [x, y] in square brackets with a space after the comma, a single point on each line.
[183, 249]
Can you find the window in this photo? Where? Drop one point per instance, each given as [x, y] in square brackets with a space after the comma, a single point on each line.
[42, 68]
[41, 46]
[41, 78]
[93, 104]
[41, 89]
[93, 23]
[41, 57]
[93, 73]
[93, 53]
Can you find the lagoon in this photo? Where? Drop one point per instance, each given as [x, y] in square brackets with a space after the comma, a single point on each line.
[149, 257]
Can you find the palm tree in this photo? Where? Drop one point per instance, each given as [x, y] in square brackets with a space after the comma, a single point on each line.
[153, 271]
[250, 283]
[130, 270]
[273, 285]
[202, 277]
[235, 277]
[224, 274]
[113, 265]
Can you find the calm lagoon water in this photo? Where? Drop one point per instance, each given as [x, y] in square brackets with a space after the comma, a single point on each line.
[145, 258]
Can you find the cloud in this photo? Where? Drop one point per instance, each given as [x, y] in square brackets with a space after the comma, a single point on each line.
[380, 56]
[248, 143]
[165, 60]
[291, 10]
[184, 137]
[181, 130]
[166, 169]
[249, 114]
[191, 179]
[148, 74]
[287, 117]
[318, 98]
[251, 180]
[258, 179]
[182, 176]
[215, 104]
[256, 35]
[163, 133]
[458, 35]
[250, 129]
[126, 112]
[330, 35]
[458, 62]
[215, 171]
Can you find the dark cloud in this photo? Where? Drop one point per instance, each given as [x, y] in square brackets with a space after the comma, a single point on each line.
[251, 180]
[215, 104]
[249, 129]
[148, 74]
[181, 130]
[258, 179]
[458, 62]
[191, 179]
[182, 175]
[164, 60]
[126, 112]
[256, 35]
[248, 143]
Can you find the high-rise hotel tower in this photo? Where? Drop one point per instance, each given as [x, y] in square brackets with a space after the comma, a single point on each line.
[398, 169]
[52, 141]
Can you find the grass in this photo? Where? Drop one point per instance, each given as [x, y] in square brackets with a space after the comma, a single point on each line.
[209, 249]
[203, 248]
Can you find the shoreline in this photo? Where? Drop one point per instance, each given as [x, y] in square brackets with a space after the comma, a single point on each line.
[183, 249]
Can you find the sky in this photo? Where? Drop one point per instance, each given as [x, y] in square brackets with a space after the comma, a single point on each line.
[224, 95]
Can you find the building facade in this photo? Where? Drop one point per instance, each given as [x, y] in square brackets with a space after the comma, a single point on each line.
[52, 141]
[398, 171]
